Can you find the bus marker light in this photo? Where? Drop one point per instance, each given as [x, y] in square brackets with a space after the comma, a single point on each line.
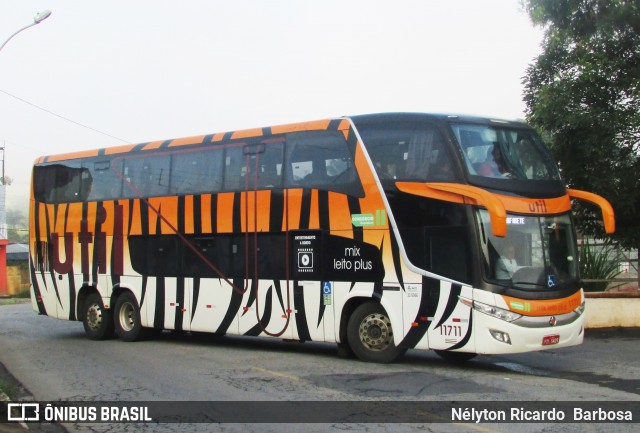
[424, 319]
[209, 306]
[415, 324]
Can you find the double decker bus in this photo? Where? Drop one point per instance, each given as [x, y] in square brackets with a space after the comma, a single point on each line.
[379, 232]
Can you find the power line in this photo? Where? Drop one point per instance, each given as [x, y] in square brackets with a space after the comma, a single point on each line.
[63, 118]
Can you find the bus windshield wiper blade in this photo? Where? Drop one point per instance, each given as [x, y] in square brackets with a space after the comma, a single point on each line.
[515, 283]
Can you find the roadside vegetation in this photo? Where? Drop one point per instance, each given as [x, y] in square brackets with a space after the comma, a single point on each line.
[8, 390]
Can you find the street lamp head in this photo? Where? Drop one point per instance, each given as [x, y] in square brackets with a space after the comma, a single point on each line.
[41, 16]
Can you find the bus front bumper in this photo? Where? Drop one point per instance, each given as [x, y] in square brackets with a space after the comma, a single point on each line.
[528, 334]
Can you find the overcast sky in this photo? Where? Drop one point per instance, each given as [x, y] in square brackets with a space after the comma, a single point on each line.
[139, 70]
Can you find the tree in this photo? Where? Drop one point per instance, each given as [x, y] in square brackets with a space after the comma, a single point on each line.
[17, 223]
[583, 93]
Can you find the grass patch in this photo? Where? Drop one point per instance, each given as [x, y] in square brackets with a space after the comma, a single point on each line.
[12, 301]
[598, 264]
[26, 293]
[9, 390]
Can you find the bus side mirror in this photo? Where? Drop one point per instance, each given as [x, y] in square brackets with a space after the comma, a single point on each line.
[606, 208]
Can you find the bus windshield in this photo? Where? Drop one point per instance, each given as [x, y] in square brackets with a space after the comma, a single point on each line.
[539, 252]
[503, 152]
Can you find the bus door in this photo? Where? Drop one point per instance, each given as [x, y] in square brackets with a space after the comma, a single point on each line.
[266, 303]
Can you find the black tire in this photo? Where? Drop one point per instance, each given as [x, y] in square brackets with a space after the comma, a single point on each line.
[370, 335]
[97, 320]
[127, 319]
[344, 351]
[455, 357]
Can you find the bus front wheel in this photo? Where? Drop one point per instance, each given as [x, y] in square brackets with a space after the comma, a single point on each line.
[370, 334]
[127, 318]
[97, 320]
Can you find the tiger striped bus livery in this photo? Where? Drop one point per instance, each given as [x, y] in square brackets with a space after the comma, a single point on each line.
[380, 233]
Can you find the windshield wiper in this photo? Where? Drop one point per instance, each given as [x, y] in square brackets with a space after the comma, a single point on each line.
[515, 283]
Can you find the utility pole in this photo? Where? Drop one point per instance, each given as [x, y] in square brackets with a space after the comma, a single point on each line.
[4, 290]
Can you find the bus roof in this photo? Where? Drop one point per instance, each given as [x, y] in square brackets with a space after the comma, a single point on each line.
[438, 117]
[258, 132]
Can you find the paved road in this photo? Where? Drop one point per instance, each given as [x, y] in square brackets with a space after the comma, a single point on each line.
[55, 361]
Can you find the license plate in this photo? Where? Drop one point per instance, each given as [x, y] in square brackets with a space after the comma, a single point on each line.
[550, 339]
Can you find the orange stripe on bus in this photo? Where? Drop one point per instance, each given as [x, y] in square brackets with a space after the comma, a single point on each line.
[65, 156]
[340, 215]
[60, 222]
[187, 141]
[205, 213]
[293, 202]
[218, 137]
[247, 133]
[297, 127]
[549, 307]
[119, 149]
[225, 212]
[258, 212]
[136, 224]
[153, 145]
[264, 210]
[189, 224]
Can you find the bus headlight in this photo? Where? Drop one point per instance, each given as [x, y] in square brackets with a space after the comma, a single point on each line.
[499, 313]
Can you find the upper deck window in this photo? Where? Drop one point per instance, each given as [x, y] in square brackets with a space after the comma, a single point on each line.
[502, 152]
[408, 151]
[321, 160]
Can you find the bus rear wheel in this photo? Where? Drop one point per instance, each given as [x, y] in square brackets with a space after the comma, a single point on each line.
[370, 335]
[97, 320]
[127, 318]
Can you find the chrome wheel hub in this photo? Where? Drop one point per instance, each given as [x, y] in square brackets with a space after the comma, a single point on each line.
[375, 331]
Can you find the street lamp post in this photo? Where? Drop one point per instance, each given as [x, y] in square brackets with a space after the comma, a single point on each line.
[41, 16]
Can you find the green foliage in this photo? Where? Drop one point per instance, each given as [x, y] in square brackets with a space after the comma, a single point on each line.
[17, 223]
[598, 264]
[583, 94]
[8, 390]
[24, 294]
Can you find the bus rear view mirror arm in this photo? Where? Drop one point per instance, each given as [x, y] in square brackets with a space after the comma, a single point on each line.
[607, 211]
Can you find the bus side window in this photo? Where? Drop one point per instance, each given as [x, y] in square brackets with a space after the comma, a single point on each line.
[404, 151]
[61, 182]
[44, 181]
[234, 169]
[146, 176]
[194, 172]
[106, 179]
[321, 160]
[270, 166]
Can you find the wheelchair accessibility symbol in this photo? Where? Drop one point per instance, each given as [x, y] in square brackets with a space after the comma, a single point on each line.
[327, 291]
[326, 288]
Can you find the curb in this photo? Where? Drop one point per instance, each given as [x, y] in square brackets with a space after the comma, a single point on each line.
[12, 427]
